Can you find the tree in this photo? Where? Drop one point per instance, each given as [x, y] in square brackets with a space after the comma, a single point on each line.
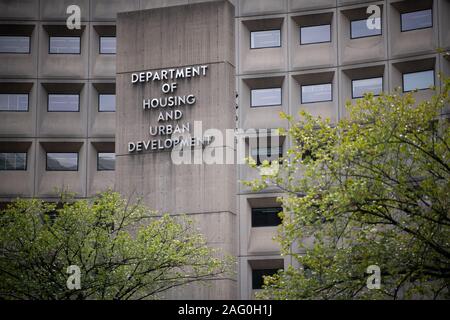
[123, 250]
[372, 189]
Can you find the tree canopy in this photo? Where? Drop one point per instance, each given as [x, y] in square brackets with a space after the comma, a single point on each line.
[123, 250]
[371, 189]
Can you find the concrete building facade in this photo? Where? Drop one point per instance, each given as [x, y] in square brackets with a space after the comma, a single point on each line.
[57, 100]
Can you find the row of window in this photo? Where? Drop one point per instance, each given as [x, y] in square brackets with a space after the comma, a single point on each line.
[323, 91]
[57, 45]
[56, 161]
[18, 102]
[358, 29]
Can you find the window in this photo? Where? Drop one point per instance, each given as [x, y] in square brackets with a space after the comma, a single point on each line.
[63, 103]
[16, 102]
[266, 217]
[106, 161]
[269, 154]
[316, 93]
[315, 34]
[62, 161]
[14, 44]
[418, 80]
[266, 97]
[359, 29]
[13, 161]
[107, 45]
[106, 102]
[64, 45]
[265, 39]
[416, 20]
[360, 87]
[257, 277]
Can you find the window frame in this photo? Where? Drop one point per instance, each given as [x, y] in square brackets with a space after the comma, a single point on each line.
[98, 161]
[262, 271]
[26, 162]
[403, 80]
[266, 105]
[310, 43]
[98, 102]
[369, 36]
[28, 102]
[266, 208]
[401, 21]
[309, 85]
[49, 42]
[62, 94]
[265, 30]
[11, 52]
[78, 162]
[375, 95]
[100, 45]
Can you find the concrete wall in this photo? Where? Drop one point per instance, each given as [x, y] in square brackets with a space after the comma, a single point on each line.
[200, 34]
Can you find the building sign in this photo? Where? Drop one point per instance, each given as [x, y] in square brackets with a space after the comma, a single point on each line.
[169, 107]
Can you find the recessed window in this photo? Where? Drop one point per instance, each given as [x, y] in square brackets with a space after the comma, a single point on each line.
[361, 29]
[266, 97]
[315, 34]
[265, 39]
[106, 161]
[64, 45]
[316, 93]
[362, 86]
[63, 102]
[266, 217]
[14, 44]
[106, 102]
[13, 161]
[269, 154]
[258, 277]
[416, 20]
[418, 80]
[14, 102]
[62, 161]
[107, 45]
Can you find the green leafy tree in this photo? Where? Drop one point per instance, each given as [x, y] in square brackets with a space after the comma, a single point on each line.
[123, 250]
[372, 189]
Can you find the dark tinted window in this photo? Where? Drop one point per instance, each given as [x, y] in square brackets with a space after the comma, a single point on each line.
[316, 93]
[265, 39]
[416, 20]
[257, 277]
[62, 161]
[65, 45]
[63, 102]
[108, 45]
[106, 102]
[106, 161]
[315, 34]
[359, 87]
[269, 154]
[359, 29]
[266, 217]
[13, 161]
[13, 102]
[266, 97]
[14, 44]
[418, 80]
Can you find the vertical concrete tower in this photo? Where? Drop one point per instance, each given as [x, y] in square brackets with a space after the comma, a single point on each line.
[179, 51]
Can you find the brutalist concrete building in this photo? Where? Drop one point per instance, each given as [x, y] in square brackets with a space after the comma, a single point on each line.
[78, 106]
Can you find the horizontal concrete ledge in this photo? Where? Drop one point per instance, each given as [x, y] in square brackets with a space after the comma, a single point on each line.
[195, 213]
